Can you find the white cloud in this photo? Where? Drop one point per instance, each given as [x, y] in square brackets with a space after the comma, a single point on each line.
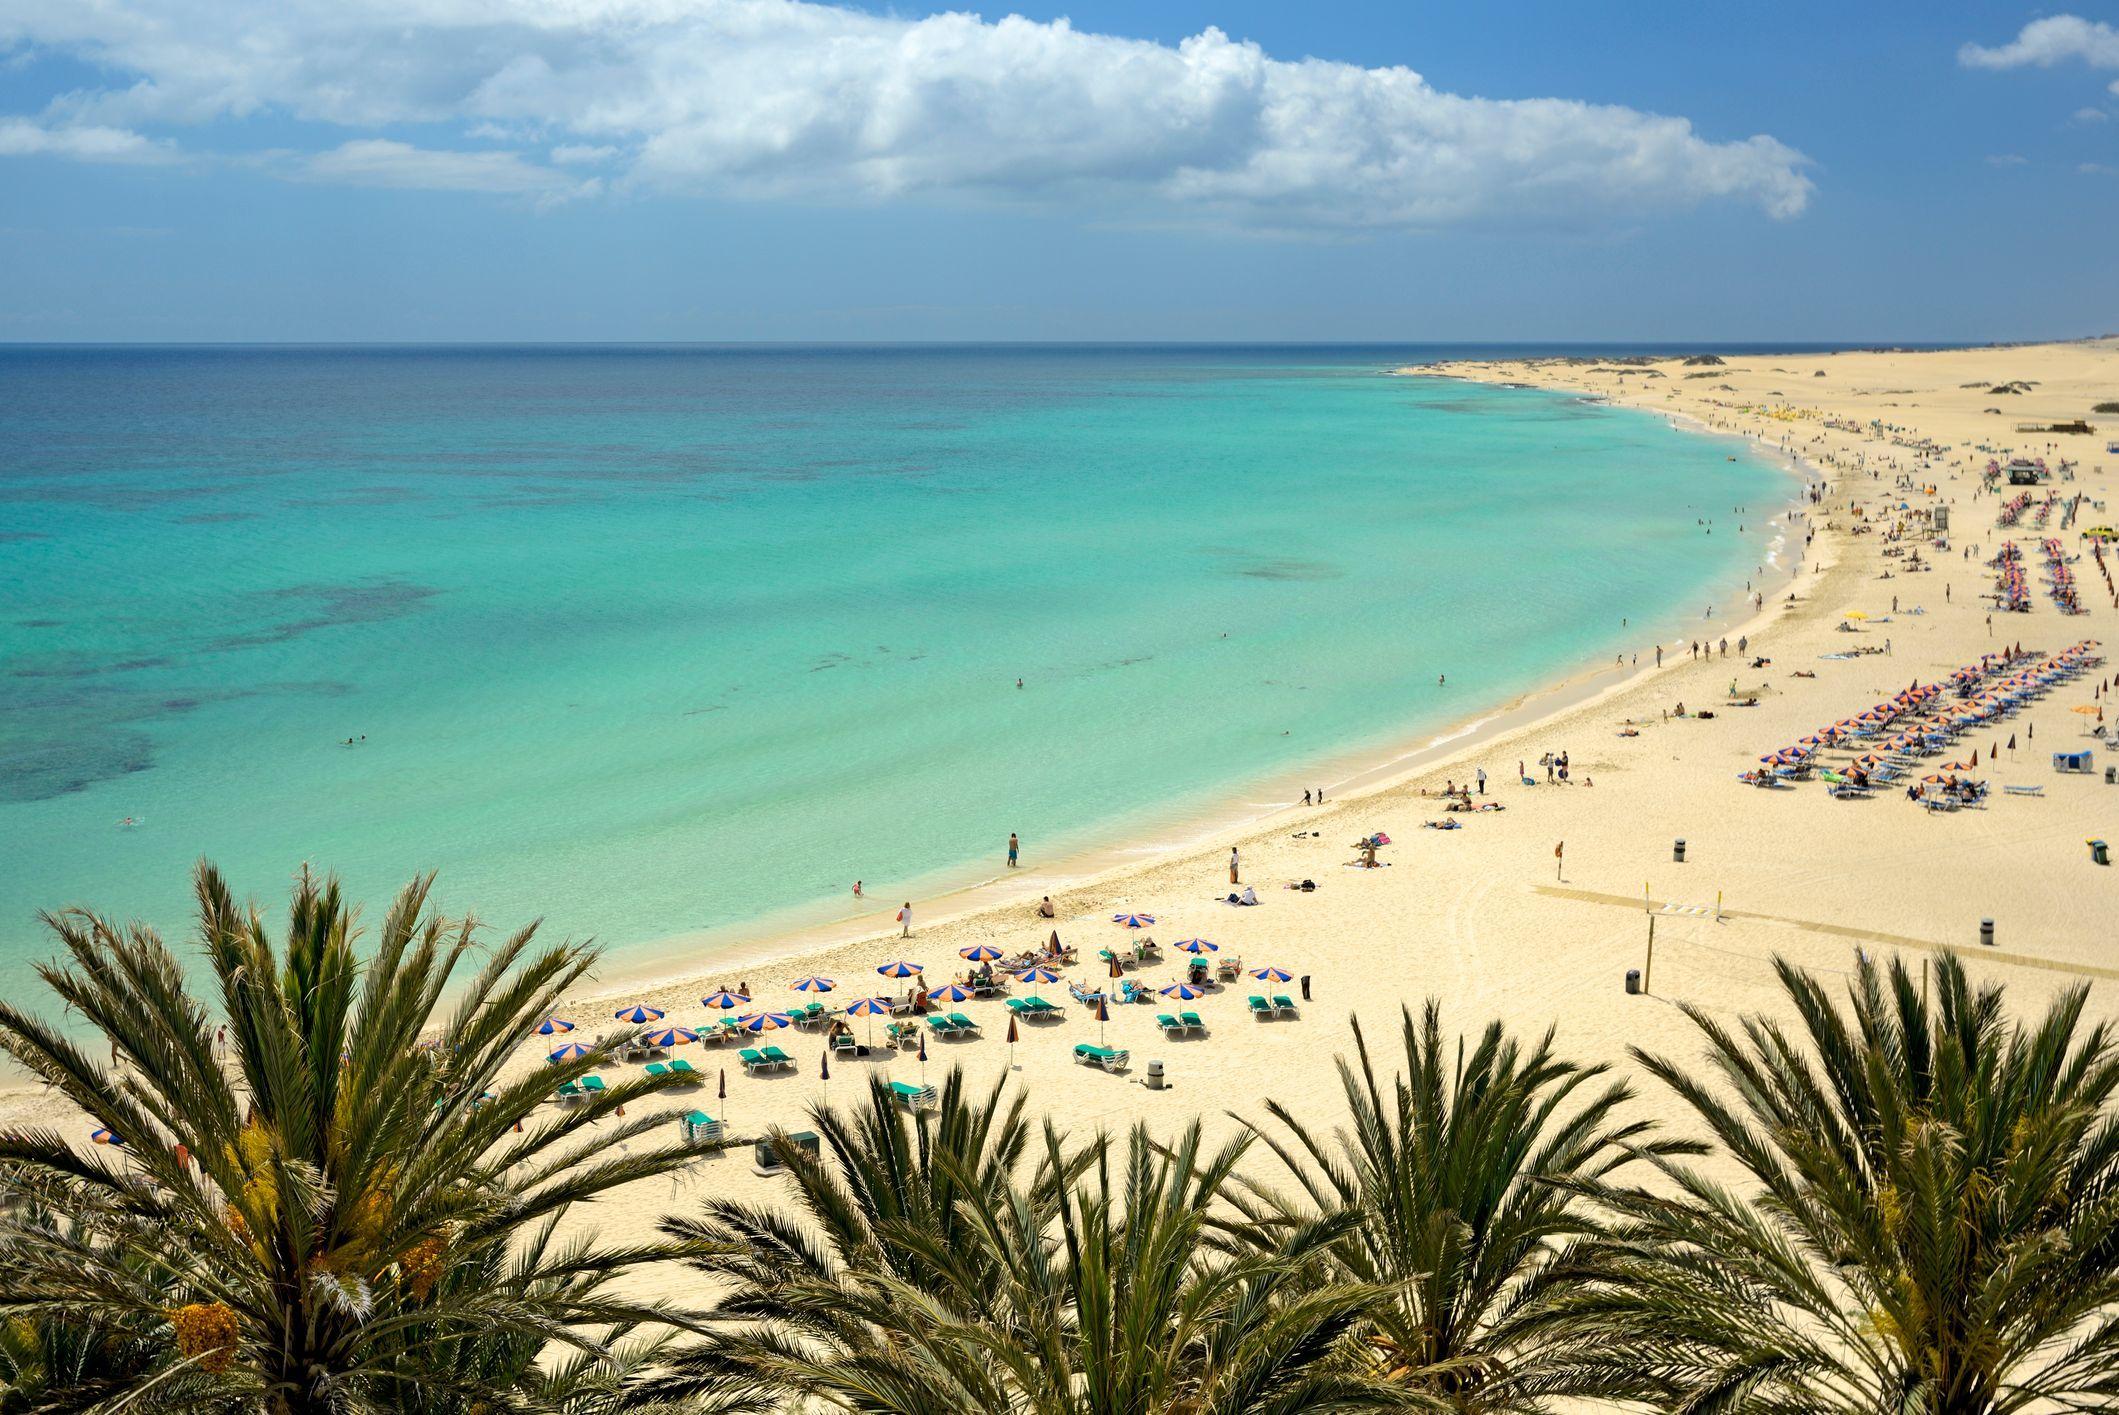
[381, 162]
[582, 154]
[2007, 159]
[2096, 169]
[778, 97]
[2091, 115]
[84, 143]
[2052, 40]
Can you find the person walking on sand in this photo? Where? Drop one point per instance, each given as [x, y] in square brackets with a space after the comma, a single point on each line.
[1482, 781]
[1014, 848]
[905, 920]
[1232, 866]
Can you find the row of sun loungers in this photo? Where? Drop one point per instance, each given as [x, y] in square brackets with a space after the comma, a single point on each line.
[1266, 1011]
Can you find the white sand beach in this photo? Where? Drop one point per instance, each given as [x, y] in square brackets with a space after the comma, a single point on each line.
[1485, 917]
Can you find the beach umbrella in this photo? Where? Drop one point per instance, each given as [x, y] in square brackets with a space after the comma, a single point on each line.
[639, 1012]
[954, 992]
[725, 999]
[1037, 975]
[813, 984]
[824, 1064]
[1103, 1015]
[2085, 708]
[1118, 969]
[1199, 945]
[1856, 614]
[900, 969]
[868, 1007]
[1133, 921]
[554, 1024]
[1272, 975]
[106, 1137]
[571, 1051]
[1011, 1041]
[1181, 990]
[723, 1094]
[979, 953]
[763, 1021]
[670, 1037]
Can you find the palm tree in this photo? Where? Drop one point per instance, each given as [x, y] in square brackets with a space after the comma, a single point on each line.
[1931, 1223]
[312, 1223]
[1449, 1168]
[963, 1268]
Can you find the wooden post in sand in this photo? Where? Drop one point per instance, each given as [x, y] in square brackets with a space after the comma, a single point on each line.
[1648, 964]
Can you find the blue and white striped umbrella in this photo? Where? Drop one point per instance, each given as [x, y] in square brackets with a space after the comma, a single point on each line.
[106, 1137]
[1183, 990]
[1133, 921]
[1198, 945]
[554, 1024]
[1037, 975]
[725, 999]
[814, 984]
[670, 1037]
[763, 1021]
[1272, 975]
[900, 969]
[955, 992]
[639, 1012]
[869, 1007]
[980, 953]
[571, 1051]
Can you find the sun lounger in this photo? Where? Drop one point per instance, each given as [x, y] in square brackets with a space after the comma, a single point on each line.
[1191, 1019]
[755, 1060]
[701, 1128]
[1284, 1005]
[1171, 1026]
[2024, 790]
[844, 1042]
[1109, 1058]
[941, 1025]
[1261, 1008]
[656, 1068]
[779, 1058]
[592, 1085]
[568, 1091]
[683, 1068]
[964, 1024]
[912, 1097]
[810, 1015]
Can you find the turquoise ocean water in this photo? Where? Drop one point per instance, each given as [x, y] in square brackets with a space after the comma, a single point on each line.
[654, 641]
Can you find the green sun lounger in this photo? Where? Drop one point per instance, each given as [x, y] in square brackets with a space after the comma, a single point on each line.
[683, 1068]
[656, 1068]
[1109, 1058]
[592, 1084]
[1261, 1008]
[1170, 1025]
[912, 1097]
[1285, 1004]
[701, 1128]
[568, 1091]
[779, 1058]
[845, 1042]
[754, 1060]
[941, 1026]
[1192, 1021]
[963, 1023]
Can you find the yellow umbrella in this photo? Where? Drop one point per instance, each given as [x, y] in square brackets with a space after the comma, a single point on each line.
[1856, 614]
[2085, 708]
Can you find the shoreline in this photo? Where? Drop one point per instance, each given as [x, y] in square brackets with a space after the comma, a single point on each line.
[1352, 773]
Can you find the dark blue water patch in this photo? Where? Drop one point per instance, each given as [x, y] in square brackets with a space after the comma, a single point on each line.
[337, 605]
[9, 537]
[58, 741]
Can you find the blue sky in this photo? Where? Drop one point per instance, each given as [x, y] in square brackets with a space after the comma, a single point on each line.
[759, 169]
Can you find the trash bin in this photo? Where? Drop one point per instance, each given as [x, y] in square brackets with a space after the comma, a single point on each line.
[1986, 932]
[1633, 980]
[1677, 851]
[1155, 1075]
[2111, 776]
[2100, 853]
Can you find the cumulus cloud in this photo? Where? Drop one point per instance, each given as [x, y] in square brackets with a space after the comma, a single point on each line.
[783, 98]
[2091, 115]
[2007, 159]
[85, 143]
[2052, 40]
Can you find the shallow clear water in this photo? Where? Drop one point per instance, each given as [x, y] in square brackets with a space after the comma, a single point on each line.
[656, 640]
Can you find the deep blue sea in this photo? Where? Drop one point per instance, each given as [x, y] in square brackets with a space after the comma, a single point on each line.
[652, 641]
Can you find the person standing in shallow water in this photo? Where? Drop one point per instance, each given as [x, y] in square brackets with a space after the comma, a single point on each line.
[1014, 848]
